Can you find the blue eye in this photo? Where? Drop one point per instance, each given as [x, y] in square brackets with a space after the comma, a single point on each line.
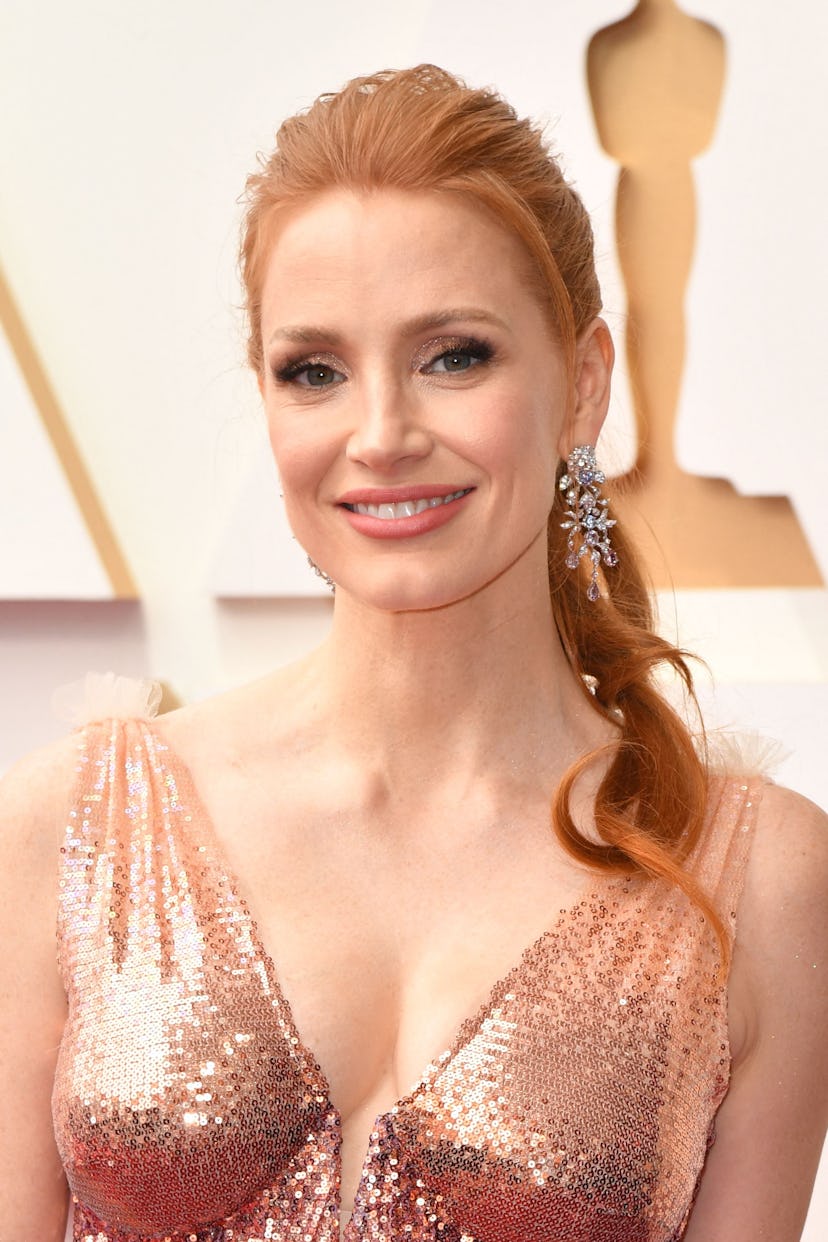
[463, 356]
[317, 375]
[454, 361]
[309, 374]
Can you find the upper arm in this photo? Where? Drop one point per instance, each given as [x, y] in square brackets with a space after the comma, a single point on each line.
[759, 1174]
[33, 1191]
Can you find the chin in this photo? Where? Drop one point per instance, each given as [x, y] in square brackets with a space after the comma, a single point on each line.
[406, 597]
[420, 590]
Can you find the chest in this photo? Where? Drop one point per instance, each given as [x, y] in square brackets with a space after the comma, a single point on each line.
[584, 1082]
[388, 931]
[184, 1051]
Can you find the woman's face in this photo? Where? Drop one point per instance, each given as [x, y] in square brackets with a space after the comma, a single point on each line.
[415, 395]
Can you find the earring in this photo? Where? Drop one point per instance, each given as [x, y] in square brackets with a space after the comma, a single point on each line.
[587, 515]
[320, 573]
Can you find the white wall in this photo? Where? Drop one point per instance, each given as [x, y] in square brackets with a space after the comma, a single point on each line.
[127, 132]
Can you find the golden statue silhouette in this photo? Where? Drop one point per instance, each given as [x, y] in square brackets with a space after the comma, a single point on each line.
[655, 81]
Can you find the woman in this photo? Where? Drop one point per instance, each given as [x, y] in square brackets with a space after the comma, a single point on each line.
[278, 907]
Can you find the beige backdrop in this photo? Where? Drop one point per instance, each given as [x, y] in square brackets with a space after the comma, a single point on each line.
[127, 133]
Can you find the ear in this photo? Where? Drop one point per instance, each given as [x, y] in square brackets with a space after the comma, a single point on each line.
[260, 380]
[594, 358]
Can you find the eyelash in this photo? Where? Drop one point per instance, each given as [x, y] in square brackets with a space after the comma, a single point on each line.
[473, 347]
[295, 367]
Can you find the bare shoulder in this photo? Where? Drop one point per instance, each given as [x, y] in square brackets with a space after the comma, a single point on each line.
[782, 927]
[787, 878]
[758, 1178]
[45, 768]
[34, 795]
[780, 806]
[230, 728]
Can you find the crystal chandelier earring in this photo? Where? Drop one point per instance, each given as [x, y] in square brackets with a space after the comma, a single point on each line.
[587, 521]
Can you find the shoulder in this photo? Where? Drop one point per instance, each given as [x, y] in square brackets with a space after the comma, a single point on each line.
[43, 769]
[265, 718]
[771, 1125]
[787, 874]
[34, 796]
[779, 957]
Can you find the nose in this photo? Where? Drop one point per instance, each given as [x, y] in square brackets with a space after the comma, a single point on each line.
[388, 427]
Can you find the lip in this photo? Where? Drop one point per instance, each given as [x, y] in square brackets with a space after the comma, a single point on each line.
[405, 527]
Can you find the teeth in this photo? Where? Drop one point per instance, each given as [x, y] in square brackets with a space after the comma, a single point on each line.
[406, 508]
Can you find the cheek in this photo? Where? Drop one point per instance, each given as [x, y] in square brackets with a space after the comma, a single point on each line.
[298, 483]
[517, 436]
[298, 451]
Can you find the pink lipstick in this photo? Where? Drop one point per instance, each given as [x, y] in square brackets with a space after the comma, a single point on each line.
[402, 512]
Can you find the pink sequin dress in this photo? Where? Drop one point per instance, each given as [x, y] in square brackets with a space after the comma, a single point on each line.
[576, 1105]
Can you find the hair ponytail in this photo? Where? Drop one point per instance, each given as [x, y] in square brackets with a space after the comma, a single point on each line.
[422, 129]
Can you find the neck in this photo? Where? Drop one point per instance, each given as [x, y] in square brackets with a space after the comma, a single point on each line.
[481, 688]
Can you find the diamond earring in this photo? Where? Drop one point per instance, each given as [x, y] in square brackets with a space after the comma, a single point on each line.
[587, 517]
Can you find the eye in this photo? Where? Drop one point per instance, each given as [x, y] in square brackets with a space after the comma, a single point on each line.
[318, 375]
[455, 361]
[309, 374]
[461, 356]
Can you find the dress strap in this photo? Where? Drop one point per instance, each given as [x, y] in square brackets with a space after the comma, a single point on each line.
[725, 848]
[104, 813]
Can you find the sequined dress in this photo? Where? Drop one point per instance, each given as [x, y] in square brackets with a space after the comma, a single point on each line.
[577, 1104]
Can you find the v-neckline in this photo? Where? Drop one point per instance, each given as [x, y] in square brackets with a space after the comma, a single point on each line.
[598, 883]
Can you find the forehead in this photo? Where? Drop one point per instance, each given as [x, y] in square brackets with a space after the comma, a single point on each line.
[388, 250]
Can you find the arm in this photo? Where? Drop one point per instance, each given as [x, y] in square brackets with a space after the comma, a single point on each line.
[759, 1174]
[33, 1190]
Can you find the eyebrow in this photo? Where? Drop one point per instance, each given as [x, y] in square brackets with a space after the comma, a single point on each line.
[306, 334]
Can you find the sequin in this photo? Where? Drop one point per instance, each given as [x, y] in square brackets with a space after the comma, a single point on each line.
[578, 1104]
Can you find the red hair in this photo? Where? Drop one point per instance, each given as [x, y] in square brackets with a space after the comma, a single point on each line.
[423, 129]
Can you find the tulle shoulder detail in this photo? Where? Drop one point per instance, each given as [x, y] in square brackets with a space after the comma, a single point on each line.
[101, 696]
[744, 753]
